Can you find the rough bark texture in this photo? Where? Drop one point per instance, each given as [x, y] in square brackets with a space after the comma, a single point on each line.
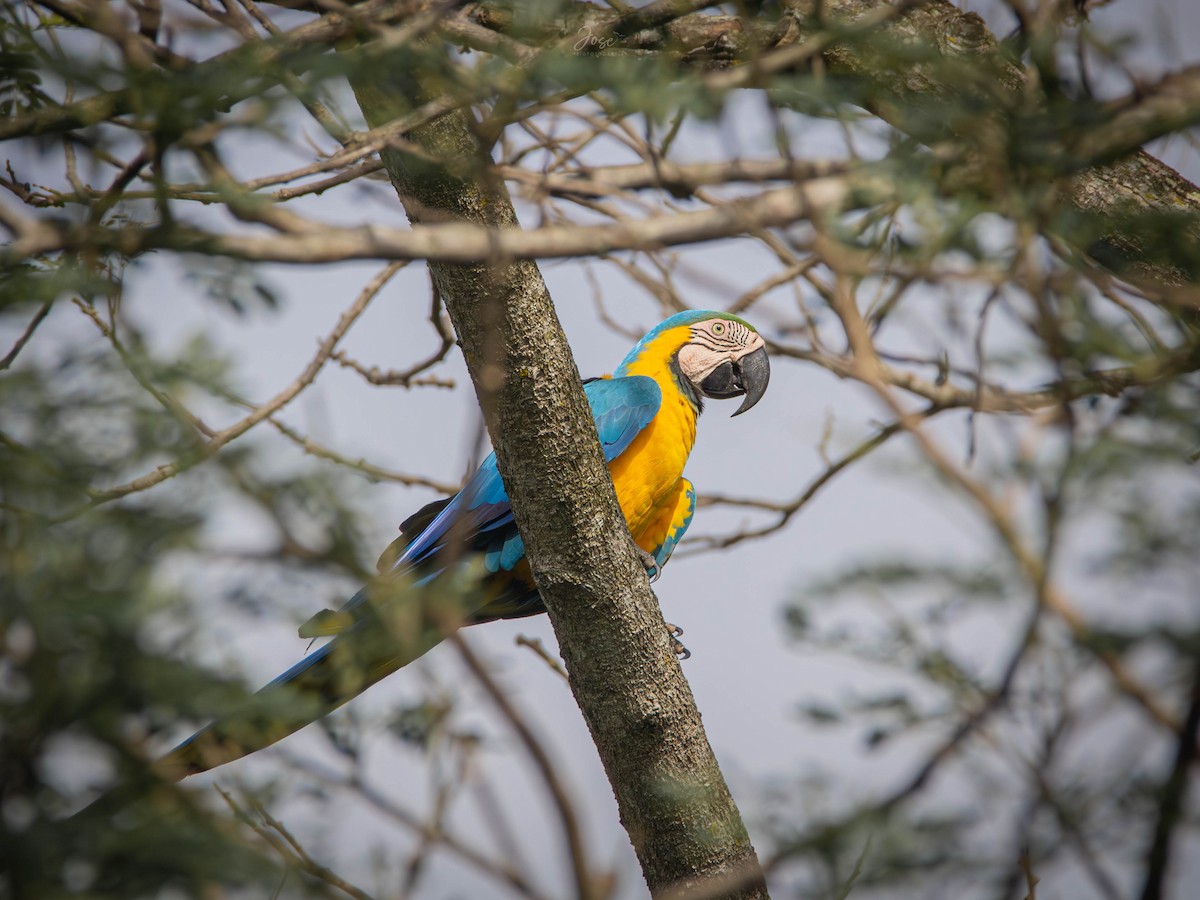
[1125, 182]
[673, 800]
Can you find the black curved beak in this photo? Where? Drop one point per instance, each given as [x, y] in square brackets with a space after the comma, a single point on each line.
[747, 376]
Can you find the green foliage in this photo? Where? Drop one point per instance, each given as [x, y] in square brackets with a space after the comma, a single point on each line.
[1120, 500]
[420, 723]
[23, 283]
[234, 284]
[650, 86]
[989, 676]
[20, 81]
[85, 684]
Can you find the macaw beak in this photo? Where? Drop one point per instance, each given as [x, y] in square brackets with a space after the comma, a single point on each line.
[747, 377]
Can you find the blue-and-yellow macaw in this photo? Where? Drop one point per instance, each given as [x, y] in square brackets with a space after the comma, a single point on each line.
[468, 545]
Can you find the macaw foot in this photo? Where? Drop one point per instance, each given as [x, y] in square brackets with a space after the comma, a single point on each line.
[649, 563]
[673, 634]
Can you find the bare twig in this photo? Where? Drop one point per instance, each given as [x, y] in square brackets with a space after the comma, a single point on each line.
[260, 413]
[786, 510]
[370, 470]
[869, 368]
[540, 651]
[19, 345]
[585, 883]
[1173, 796]
[281, 840]
[502, 871]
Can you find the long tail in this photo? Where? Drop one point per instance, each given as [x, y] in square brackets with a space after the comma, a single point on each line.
[314, 687]
[379, 642]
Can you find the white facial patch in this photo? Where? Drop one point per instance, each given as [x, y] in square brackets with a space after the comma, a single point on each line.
[714, 342]
[697, 362]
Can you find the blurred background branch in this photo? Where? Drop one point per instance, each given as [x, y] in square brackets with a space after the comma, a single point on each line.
[941, 595]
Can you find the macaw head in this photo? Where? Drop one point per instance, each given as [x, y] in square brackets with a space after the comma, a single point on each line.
[712, 354]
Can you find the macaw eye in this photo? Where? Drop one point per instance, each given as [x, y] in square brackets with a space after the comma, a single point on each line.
[718, 328]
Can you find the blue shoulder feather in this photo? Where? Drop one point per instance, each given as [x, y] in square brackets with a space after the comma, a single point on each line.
[621, 408]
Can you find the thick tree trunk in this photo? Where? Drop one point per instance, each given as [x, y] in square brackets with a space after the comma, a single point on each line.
[673, 800]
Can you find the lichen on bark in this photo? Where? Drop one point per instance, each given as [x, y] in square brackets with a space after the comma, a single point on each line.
[673, 800]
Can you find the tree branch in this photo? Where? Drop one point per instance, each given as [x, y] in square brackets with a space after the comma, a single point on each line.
[1173, 796]
[673, 800]
[459, 242]
[1108, 190]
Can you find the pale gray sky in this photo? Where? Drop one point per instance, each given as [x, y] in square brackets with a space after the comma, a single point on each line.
[748, 677]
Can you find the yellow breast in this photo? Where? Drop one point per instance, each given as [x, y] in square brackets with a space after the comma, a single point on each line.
[647, 474]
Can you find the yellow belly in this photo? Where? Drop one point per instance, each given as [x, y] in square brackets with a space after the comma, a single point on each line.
[647, 474]
[669, 519]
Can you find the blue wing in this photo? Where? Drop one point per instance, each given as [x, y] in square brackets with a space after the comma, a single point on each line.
[480, 516]
[621, 408]
[480, 512]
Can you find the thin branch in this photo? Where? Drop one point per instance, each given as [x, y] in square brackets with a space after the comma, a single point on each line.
[990, 704]
[993, 398]
[502, 871]
[786, 510]
[262, 412]
[869, 367]
[585, 884]
[540, 651]
[135, 368]
[370, 470]
[277, 835]
[460, 242]
[19, 345]
[1173, 797]
[267, 57]
[398, 378]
